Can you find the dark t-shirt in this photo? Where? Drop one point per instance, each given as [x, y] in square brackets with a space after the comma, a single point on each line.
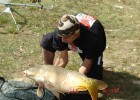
[91, 43]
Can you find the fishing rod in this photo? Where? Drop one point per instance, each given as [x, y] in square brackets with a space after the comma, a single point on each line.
[26, 5]
[18, 4]
[39, 5]
[9, 9]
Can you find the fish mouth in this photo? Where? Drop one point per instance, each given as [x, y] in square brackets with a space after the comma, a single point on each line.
[25, 73]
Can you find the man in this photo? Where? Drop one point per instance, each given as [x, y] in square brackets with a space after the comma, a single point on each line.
[80, 33]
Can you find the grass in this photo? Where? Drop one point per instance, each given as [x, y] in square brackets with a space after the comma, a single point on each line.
[19, 49]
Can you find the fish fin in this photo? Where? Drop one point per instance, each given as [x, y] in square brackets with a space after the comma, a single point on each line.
[61, 92]
[102, 85]
[53, 89]
[49, 84]
[94, 94]
[56, 94]
[39, 91]
[92, 87]
[81, 88]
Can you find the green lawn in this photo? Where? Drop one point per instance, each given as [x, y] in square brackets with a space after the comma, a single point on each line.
[19, 49]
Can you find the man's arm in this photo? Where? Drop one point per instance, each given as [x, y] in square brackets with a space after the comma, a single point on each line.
[84, 69]
[62, 58]
[86, 66]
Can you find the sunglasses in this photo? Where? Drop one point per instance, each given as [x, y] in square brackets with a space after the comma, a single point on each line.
[69, 34]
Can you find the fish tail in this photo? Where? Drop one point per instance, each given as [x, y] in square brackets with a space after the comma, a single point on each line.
[92, 87]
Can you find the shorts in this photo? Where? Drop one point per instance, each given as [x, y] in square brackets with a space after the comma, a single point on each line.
[52, 42]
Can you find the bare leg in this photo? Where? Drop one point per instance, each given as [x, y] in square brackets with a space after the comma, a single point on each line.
[48, 57]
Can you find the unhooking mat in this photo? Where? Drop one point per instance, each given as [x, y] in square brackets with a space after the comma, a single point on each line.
[18, 90]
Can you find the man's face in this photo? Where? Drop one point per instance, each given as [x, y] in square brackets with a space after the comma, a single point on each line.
[68, 39]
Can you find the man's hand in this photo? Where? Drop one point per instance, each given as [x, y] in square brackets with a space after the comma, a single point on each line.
[86, 66]
[62, 58]
[73, 91]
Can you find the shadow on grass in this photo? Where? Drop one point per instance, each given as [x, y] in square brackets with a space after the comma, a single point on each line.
[121, 86]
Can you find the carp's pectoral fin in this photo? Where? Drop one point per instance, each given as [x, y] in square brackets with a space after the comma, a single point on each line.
[51, 87]
[39, 91]
[81, 88]
[56, 94]
[49, 84]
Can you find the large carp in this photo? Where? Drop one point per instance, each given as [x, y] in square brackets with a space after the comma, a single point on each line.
[61, 80]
